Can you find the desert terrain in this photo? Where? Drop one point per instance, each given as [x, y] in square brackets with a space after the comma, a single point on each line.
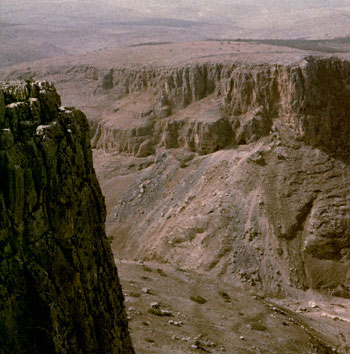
[231, 320]
[49, 28]
[221, 182]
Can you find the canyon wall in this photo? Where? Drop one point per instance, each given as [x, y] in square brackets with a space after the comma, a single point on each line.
[243, 170]
[310, 97]
[59, 286]
[234, 168]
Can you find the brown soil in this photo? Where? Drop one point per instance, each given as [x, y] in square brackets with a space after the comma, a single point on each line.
[233, 320]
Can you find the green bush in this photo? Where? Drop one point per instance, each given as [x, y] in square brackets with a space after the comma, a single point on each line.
[258, 327]
[132, 294]
[158, 312]
[161, 272]
[199, 299]
[224, 295]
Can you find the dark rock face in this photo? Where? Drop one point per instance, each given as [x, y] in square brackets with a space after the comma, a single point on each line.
[59, 286]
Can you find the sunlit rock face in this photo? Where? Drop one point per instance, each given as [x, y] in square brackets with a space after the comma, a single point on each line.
[310, 97]
[59, 287]
[246, 175]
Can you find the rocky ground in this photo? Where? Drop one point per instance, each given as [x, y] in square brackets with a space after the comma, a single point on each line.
[164, 319]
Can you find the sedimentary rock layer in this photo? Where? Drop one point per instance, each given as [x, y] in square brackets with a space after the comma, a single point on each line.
[272, 208]
[59, 286]
[311, 97]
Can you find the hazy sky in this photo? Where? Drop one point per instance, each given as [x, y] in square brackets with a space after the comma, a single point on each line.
[178, 8]
[191, 3]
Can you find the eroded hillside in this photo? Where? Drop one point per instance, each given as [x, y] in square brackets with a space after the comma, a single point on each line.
[234, 162]
[239, 170]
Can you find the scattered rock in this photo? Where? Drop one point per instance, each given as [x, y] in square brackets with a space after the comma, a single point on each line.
[313, 305]
[199, 299]
[176, 323]
[160, 313]
[146, 290]
[258, 158]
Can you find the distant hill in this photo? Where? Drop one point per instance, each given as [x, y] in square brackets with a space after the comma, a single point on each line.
[39, 29]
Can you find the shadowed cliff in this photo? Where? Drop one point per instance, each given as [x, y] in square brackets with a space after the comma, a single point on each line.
[59, 286]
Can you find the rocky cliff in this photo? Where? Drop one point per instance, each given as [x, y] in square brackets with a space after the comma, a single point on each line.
[243, 170]
[59, 286]
[310, 97]
[238, 168]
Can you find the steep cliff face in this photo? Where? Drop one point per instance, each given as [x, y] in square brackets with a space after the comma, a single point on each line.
[247, 174]
[235, 168]
[310, 97]
[59, 286]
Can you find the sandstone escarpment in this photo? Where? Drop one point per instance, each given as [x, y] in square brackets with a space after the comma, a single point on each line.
[59, 286]
[310, 97]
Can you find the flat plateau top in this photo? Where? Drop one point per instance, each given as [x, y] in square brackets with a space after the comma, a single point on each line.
[178, 54]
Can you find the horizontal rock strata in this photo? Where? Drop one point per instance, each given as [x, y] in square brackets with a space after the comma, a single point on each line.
[311, 98]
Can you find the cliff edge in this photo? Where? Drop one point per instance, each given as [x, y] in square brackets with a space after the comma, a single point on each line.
[238, 169]
[59, 286]
[235, 165]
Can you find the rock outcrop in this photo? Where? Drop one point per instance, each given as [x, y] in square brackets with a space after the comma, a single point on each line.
[311, 98]
[272, 208]
[59, 286]
[234, 168]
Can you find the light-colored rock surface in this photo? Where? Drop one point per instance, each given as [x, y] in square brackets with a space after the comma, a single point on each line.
[272, 208]
[311, 98]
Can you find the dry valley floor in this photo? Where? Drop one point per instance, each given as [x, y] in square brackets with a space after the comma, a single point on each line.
[174, 310]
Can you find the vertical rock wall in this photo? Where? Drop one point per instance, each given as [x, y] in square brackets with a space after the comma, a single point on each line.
[311, 97]
[59, 286]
